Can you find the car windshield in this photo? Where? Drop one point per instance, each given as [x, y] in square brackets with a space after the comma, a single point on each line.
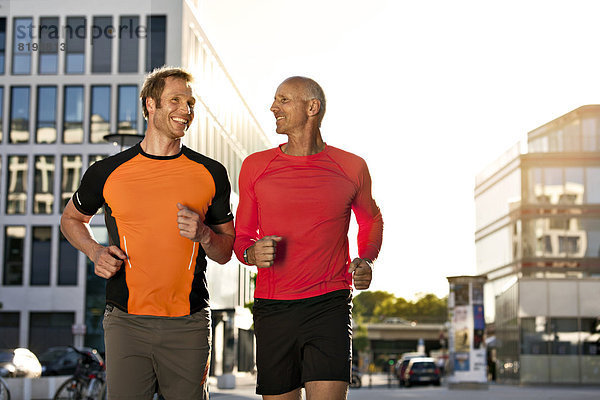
[6, 355]
[420, 366]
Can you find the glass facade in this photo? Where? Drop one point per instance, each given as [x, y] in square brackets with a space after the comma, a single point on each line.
[47, 329]
[99, 113]
[129, 43]
[75, 34]
[1, 113]
[127, 109]
[102, 37]
[73, 115]
[56, 128]
[16, 193]
[48, 45]
[45, 126]
[2, 44]
[9, 325]
[156, 41]
[539, 226]
[14, 248]
[67, 263]
[22, 46]
[19, 114]
[41, 255]
[71, 176]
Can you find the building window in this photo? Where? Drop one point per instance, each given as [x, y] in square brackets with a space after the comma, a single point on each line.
[591, 229]
[591, 134]
[43, 196]
[563, 336]
[156, 42]
[1, 112]
[73, 115]
[16, 194]
[590, 331]
[127, 104]
[19, 114]
[71, 175]
[9, 326]
[45, 131]
[99, 113]
[67, 263]
[96, 157]
[75, 33]
[534, 335]
[48, 329]
[102, 35]
[22, 46]
[2, 43]
[129, 43]
[14, 240]
[48, 45]
[41, 248]
[592, 184]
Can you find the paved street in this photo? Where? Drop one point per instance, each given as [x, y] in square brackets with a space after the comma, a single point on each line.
[380, 391]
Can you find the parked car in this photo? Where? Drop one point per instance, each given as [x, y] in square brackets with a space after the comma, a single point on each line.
[19, 363]
[401, 365]
[422, 371]
[62, 360]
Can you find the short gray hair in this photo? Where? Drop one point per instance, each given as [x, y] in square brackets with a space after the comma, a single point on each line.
[313, 91]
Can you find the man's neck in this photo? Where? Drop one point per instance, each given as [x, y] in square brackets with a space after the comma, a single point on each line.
[158, 145]
[304, 145]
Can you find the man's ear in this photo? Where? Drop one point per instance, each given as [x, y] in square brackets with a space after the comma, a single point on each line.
[150, 104]
[314, 106]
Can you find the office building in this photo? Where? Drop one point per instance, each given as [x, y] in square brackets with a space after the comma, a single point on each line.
[538, 245]
[70, 74]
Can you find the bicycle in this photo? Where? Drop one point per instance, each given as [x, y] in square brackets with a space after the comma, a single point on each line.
[4, 392]
[88, 382]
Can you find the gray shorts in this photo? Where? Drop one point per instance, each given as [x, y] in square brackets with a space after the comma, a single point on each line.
[143, 351]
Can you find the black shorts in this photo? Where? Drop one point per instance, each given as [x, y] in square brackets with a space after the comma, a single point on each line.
[298, 341]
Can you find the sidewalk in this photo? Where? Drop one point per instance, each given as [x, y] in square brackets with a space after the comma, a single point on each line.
[383, 388]
[245, 387]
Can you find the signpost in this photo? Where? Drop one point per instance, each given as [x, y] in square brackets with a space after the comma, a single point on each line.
[466, 344]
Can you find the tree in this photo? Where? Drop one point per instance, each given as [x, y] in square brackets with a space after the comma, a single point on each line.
[364, 304]
[377, 306]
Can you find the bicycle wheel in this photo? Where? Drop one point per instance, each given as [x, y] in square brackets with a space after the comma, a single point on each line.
[4, 392]
[103, 392]
[70, 390]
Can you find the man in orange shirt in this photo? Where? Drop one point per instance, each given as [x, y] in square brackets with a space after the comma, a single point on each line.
[296, 201]
[166, 210]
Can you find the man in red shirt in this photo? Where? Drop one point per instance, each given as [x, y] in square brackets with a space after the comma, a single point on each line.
[292, 222]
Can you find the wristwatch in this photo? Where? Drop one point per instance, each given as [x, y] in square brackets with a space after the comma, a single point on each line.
[246, 256]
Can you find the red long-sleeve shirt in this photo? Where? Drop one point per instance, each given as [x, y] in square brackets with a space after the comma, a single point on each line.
[306, 200]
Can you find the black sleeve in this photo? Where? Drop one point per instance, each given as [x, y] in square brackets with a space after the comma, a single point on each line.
[219, 210]
[88, 198]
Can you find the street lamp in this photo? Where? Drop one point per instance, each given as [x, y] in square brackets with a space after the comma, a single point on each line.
[123, 139]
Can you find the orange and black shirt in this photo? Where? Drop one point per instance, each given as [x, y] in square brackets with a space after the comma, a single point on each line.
[165, 273]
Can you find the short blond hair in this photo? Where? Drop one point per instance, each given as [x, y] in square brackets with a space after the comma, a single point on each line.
[155, 84]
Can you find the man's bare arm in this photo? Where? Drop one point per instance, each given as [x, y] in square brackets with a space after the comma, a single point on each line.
[76, 228]
[216, 240]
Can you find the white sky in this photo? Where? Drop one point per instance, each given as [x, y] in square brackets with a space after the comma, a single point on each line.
[428, 92]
